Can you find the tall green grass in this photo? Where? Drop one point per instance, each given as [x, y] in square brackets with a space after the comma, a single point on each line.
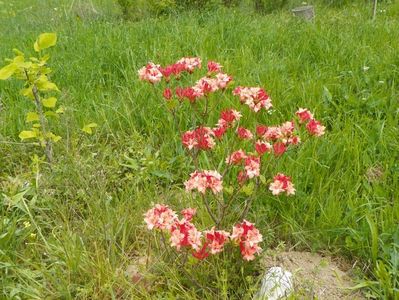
[87, 213]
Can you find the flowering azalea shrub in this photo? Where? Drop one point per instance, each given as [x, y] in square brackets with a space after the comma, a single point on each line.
[232, 162]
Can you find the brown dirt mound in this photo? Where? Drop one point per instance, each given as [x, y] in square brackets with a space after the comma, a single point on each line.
[315, 276]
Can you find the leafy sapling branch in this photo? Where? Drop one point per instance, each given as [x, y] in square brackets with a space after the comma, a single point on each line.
[39, 89]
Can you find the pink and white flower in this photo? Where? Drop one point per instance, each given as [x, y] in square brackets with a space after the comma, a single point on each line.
[304, 115]
[215, 239]
[255, 97]
[262, 147]
[244, 133]
[204, 180]
[188, 213]
[184, 234]
[160, 217]
[282, 184]
[315, 128]
[214, 67]
[252, 166]
[199, 138]
[151, 73]
[236, 157]
[248, 237]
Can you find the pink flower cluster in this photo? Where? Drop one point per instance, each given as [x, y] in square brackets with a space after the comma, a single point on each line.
[151, 73]
[160, 217]
[313, 126]
[255, 97]
[184, 234]
[203, 87]
[204, 180]
[248, 237]
[251, 164]
[282, 184]
[154, 73]
[227, 119]
[199, 138]
[281, 136]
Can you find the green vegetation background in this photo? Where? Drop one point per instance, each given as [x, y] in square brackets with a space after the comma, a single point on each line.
[87, 213]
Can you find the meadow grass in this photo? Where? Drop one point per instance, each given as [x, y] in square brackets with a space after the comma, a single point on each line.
[86, 215]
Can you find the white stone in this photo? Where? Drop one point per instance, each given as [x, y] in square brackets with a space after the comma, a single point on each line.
[276, 284]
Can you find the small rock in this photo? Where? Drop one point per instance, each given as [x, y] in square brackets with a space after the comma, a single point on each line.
[276, 284]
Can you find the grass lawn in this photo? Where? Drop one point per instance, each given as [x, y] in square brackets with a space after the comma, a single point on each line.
[71, 233]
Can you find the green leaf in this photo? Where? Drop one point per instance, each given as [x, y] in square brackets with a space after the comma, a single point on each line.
[27, 134]
[88, 128]
[18, 52]
[43, 84]
[53, 137]
[45, 40]
[7, 71]
[31, 117]
[49, 102]
[51, 114]
[248, 189]
[262, 179]
[229, 189]
[28, 92]
[60, 110]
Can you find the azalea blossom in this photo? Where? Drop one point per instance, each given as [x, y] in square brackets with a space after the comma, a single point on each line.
[190, 63]
[242, 177]
[188, 213]
[216, 239]
[244, 133]
[160, 217]
[219, 131]
[202, 253]
[261, 130]
[236, 157]
[304, 115]
[255, 97]
[184, 234]
[222, 80]
[282, 184]
[199, 138]
[167, 94]
[315, 128]
[214, 66]
[248, 237]
[262, 147]
[151, 73]
[252, 166]
[204, 180]
[188, 93]
[205, 85]
[279, 148]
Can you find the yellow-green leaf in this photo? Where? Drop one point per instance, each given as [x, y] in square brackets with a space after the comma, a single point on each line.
[248, 189]
[18, 52]
[7, 71]
[27, 92]
[229, 189]
[31, 117]
[51, 114]
[60, 110]
[49, 102]
[43, 84]
[53, 137]
[27, 134]
[88, 128]
[45, 40]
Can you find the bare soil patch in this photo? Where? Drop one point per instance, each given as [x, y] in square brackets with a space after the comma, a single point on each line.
[315, 276]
